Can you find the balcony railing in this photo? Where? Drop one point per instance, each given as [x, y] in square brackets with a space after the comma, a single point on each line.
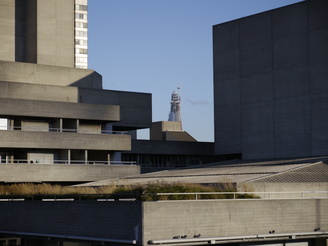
[67, 162]
[51, 129]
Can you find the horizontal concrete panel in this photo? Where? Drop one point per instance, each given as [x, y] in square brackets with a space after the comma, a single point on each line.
[64, 140]
[40, 92]
[171, 147]
[135, 108]
[16, 107]
[64, 172]
[49, 75]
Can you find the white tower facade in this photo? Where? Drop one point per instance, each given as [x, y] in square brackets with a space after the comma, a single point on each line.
[175, 114]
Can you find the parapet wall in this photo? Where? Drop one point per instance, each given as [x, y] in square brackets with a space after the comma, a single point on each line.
[63, 172]
[49, 75]
[150, 221]
[210, 218]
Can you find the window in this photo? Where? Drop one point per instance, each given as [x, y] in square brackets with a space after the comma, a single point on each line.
[81, 42]
[81, 24]
[81, 7]
[81, 33]
[81, 51]
[81, 60]
[81, 16]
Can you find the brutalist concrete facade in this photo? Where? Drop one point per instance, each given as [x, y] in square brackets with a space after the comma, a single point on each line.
[57, 124]
[271, 83]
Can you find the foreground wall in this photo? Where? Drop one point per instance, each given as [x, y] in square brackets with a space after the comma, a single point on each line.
[270, 83]
[102, 220]
[165, 220]
[147, 222]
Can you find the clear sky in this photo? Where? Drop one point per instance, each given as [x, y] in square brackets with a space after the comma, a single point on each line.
[154, 46]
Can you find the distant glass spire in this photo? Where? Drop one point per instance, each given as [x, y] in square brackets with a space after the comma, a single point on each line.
[175, 114]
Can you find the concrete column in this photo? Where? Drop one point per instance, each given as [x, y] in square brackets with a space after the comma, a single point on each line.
[77, 125]
[86, 156]
[69, 156]
[12, 124]
[61, 125]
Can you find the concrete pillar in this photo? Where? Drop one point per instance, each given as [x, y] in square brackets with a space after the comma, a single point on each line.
[86, 156]
[108, 158]
[12, 124]
[61, 125]
[77, 125]
[69, 156]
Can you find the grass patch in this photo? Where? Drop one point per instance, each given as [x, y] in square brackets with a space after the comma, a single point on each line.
[147, 192]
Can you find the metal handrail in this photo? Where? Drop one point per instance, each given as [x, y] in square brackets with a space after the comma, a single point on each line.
[236, 195]
[50, 129]
[89, 162]
[138, 196]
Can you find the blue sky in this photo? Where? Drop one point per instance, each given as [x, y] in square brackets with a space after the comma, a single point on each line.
[154, 46]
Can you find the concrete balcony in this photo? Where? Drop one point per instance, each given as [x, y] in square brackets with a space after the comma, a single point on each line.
[35, 108]
[64, 140]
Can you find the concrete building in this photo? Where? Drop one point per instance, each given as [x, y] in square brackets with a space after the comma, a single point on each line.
[271, 83]
[171, 147]
[52, 111]
[44, 32]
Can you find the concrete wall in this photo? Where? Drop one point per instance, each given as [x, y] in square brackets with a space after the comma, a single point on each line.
[37, 108]
[49, 75]
[270, 83]
[37, 31]
[54, 32]
[287, 187]
[157, 129]
[109, 220]
[164, 220]
[172, 147]
[135, 108]
[7, 30]
[64, 140]
[64, 172]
